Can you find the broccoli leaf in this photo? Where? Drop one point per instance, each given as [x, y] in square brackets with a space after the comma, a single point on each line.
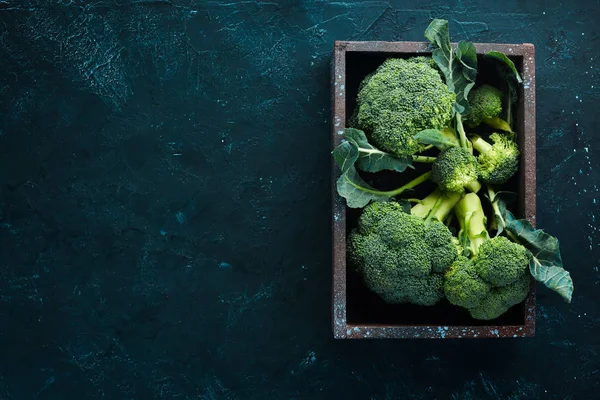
[345, 155]
[552, 277]
[545, 263]
[498, 201]
[464, 75]
[443, 54]
[370, 158]
[458, 66]
[435, 138]
[507, 70]
[356, 191]
[506, 64]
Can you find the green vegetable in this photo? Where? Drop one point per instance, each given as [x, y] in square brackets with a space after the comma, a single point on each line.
[454, 169]
[459, 67]
[498, 162]
[507, 70]
[442, 139]
[408, 254]
[486, 104]
[545, 261]
[401, 256]
[493, 277]
[401, 98]
[356, 150]
[358, 193]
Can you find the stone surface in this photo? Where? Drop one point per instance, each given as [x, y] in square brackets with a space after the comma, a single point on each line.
[165, 203]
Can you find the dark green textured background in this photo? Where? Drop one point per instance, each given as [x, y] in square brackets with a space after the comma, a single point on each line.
[165, 211]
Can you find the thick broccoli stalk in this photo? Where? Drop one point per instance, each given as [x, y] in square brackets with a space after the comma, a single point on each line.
[486, 103]
[495, 275]
[401, 98]
[498, 162]
[456, 169]
[401, 256]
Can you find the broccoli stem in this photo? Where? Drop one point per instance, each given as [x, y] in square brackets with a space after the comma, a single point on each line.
[473, 186]
[423, 159]
[480, 145]
[461, 131]
[508, 108]
[427, 148]
[449, 219]
[437, 205]
[497, 224]
[417, 181]
[471, 219]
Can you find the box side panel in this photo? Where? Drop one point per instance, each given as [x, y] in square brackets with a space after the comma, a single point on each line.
[338, 93]
[436, 332]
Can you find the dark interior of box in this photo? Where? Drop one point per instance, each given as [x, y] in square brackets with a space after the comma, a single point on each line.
[365, 307]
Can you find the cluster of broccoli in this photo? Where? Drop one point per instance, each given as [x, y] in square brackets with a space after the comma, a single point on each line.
[400, 99]
[412, 256]
[428, 110]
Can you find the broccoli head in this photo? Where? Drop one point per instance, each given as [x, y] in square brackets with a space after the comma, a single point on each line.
[402, 256]
[495, 276]
[454, 169]
[485, 102]
[401, 98]
[498, 162]
[499, 300]
[501, 262]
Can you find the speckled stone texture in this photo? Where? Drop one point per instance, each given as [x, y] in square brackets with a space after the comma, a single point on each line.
[165, 203]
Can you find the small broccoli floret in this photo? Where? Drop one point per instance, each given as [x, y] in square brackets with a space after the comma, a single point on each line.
[424, 291]
[501, 262]
[499, 300]
[464, 287]
[401, 256]
[454, 169]
[485, 102]
[495, 277]
[497, 162]
[438, 237]
[401, 98]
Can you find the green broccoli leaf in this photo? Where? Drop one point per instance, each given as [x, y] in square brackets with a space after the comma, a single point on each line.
[498, 200]
[458, 66]
[443, 54]
[508, 66]
[356, 191]
[435, 138]
[371, 159]
[507, 70]
[345, 155]
[545, 263]
[552, 277]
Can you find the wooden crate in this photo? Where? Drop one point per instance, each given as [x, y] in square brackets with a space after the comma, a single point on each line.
[357, 314]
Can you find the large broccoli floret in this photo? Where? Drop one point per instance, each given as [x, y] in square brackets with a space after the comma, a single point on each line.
[401, 98]
[497, 162]
[402, 256]
[454, 169]
[495, 276]
[485, 102]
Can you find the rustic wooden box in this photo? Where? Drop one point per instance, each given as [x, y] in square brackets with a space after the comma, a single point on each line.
[359, 314]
